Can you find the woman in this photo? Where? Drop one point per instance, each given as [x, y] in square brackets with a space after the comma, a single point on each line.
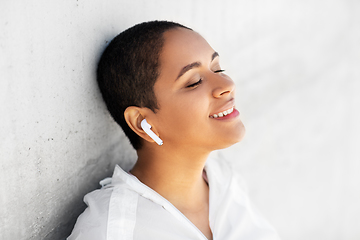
[163, 84]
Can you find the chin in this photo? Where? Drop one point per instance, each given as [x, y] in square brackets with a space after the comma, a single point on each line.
[231, 141]
[240, 134]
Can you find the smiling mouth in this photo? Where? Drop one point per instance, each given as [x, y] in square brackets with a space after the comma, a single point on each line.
[223, 113]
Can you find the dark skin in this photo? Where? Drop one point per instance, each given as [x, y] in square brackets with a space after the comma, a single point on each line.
[189, 91]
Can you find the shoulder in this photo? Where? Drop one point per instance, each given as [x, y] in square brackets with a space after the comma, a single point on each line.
[92, 223]
[229, 196]
[110, 212]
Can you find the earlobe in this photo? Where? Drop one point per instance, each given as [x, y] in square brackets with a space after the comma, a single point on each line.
[133, 117]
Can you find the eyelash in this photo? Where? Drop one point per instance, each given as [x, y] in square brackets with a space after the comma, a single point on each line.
[195, 84]
[200, 80]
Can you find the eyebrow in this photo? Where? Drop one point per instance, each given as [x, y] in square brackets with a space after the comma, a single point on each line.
[194, 65]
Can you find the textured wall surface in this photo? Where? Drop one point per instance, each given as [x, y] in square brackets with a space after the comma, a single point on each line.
[296, 66]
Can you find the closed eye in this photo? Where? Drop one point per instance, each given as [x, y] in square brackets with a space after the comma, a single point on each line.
[195, 84]
[219, 71]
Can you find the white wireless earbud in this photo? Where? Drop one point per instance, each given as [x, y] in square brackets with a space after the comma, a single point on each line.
[146, 127]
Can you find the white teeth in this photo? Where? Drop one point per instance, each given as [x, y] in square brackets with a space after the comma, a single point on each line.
[224, 113]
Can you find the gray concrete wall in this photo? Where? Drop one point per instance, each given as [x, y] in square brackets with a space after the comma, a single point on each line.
[296, 66]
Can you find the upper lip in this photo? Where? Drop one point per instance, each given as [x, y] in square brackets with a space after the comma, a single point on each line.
[227, 106]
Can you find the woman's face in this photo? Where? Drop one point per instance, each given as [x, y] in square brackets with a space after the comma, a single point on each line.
[194, 95]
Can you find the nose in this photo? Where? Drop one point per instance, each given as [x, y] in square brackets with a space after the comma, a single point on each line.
[223, 86]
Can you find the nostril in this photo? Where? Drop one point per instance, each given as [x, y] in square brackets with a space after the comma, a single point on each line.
[224, 92]
[220, 92]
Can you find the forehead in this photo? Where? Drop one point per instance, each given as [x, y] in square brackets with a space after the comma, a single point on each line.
[181, 47]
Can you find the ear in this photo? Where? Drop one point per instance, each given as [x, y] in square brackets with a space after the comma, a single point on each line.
[133, 117]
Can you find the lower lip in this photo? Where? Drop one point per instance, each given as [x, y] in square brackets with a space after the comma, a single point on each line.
[234, 113]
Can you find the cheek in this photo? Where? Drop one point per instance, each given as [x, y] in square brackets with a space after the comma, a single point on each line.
[184, 118]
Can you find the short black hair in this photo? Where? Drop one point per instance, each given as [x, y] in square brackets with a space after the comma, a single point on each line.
[129, 68]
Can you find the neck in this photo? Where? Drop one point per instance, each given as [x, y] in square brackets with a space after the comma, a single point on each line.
[176, 175]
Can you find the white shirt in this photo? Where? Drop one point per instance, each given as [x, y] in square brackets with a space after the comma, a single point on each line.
[126, 209]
